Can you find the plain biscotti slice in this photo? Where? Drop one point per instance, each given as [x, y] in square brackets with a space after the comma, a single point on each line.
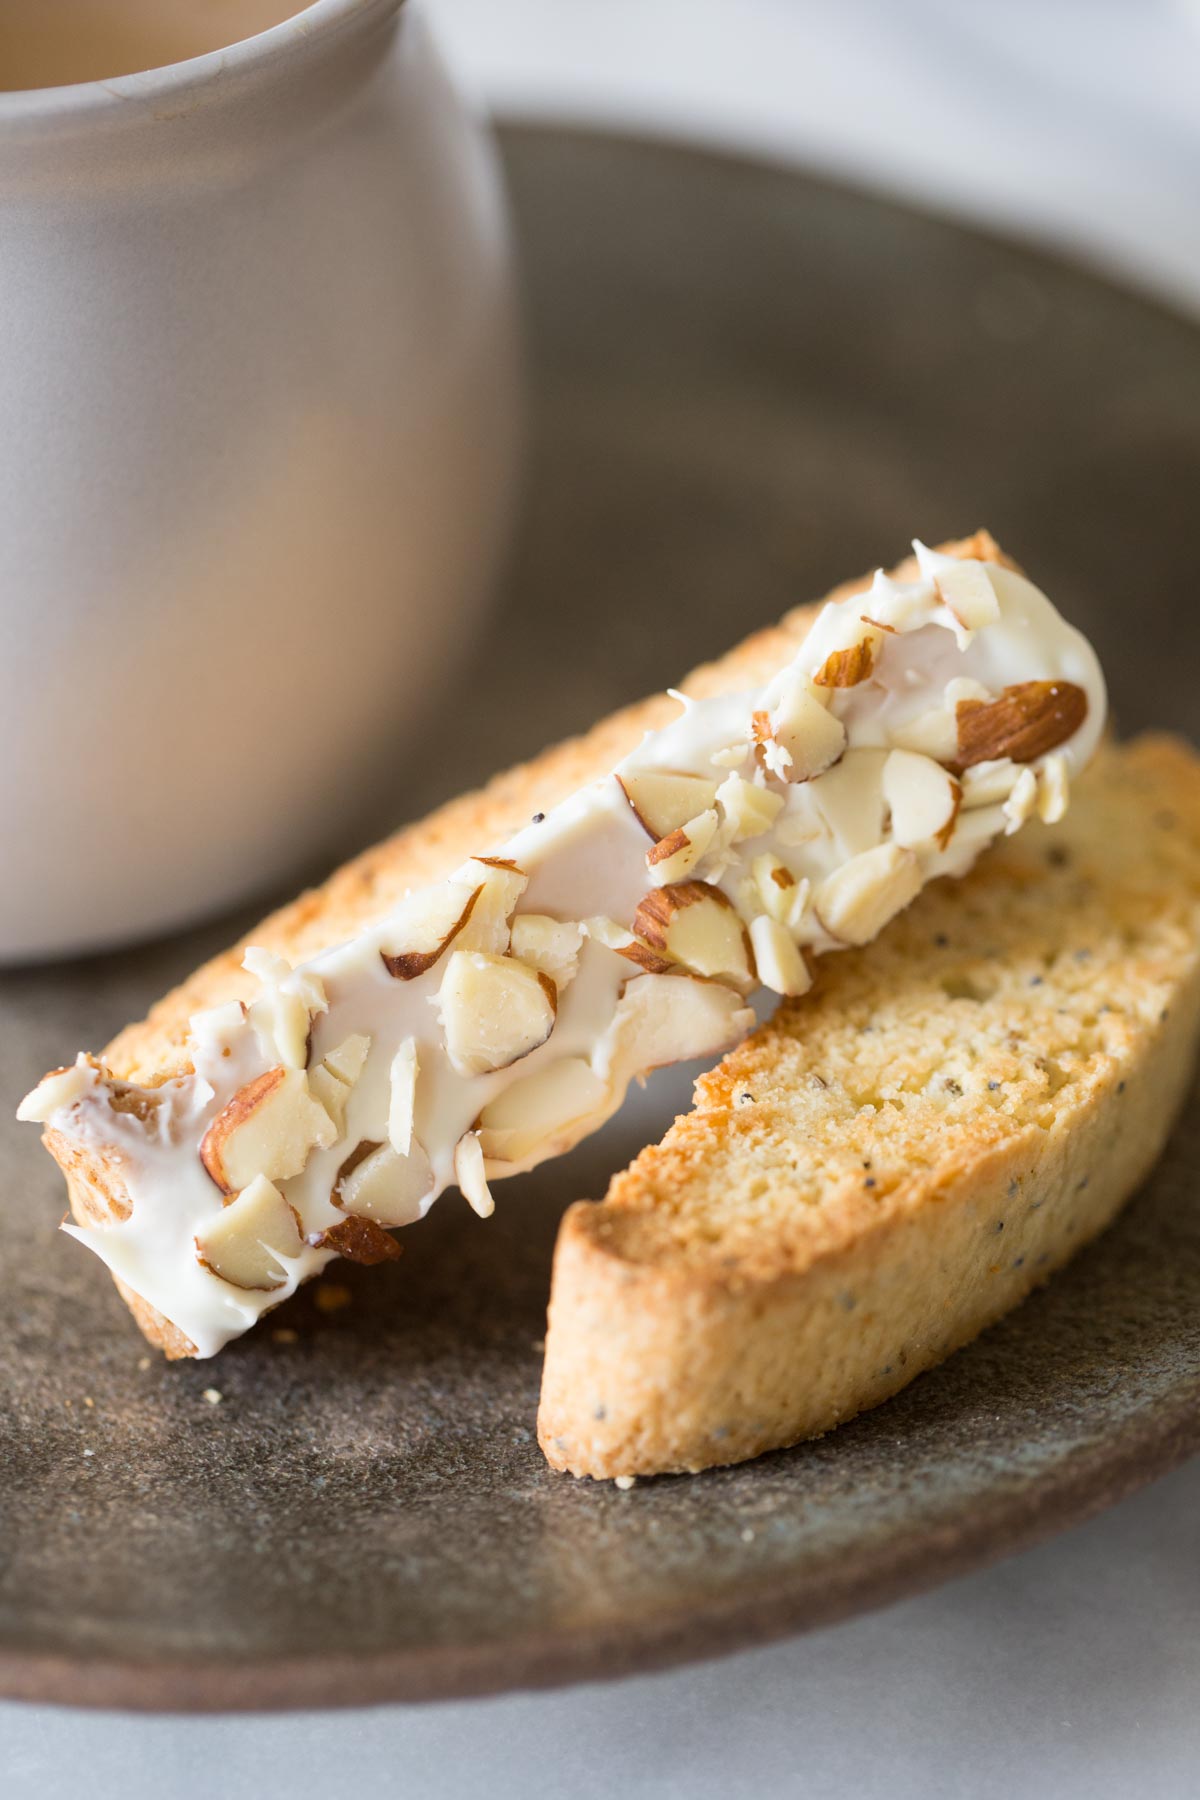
[900, 1157]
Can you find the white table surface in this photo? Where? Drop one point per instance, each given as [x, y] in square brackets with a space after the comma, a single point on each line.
[1073, 1670]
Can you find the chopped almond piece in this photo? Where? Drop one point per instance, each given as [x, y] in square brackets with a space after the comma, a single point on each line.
[252, 1237]
[268, 1128]
[663, 801]
[669, 1018]
[402, 1096]
[747, 810]
[360, 1241]
[966, 591]
[541, 1113]
[923, 799]
[428, 925]
[375, 1182]
[549, 945]
[856, 902]
[778, 959]
[676, 855]
[494, 1011]
[810, 735]
[696, 925]
[471, 1177]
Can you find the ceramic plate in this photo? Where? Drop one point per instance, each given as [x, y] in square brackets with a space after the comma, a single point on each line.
[747, 384]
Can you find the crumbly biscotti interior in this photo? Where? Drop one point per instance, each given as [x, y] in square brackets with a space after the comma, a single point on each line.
[860, 1186]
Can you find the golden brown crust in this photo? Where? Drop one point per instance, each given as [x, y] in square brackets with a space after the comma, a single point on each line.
[895, 1161]
[154, 1049]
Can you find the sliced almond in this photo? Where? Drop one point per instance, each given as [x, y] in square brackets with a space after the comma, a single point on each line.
[769, 754]
[663, 801]
[849, 797]
[360, 1241]
[268, 1128]
[933, 733]
[809, 733]
[1054, 794]
[471, 1176]
[856, 902]
[503, 884]
[974, 829]
[696, 926]
[779, 961]
[427, 925]
[494, 1010]
[676, 855]
[375, 1182]
[283, 1013]
[1022, 801]
[731, 756]
[251, 1239]
[402, 1096]
[61, 1087]
[923, 799]
[331, 1080]
[781, 895]
[988, 783]
[1023, 722]
[848, 667]
[966, 591]
[549, 945]
[746, 809]
[541, 1114]
[670, 1018]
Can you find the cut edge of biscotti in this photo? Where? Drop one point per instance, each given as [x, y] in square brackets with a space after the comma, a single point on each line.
[895, 1161]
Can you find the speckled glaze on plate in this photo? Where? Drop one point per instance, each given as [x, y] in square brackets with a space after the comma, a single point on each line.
[746, 385]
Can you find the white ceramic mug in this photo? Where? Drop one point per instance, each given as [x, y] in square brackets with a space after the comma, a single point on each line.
[257, 430]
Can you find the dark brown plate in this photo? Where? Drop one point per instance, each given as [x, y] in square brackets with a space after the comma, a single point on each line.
[746, 385]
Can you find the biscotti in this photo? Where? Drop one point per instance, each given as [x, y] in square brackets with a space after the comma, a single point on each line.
[897, 1159]
[277, 1114]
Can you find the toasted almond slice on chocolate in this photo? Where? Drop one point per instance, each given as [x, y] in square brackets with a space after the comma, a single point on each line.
[268, 1128]
[667, 1019]
[676, 855]
[402, 1096]
[549, 945]
[375, 1182]
[428, 924]
[360, 1241]
[923, 799]
[494, 1010]
[1023, 722]
[541, 1113]
[696, 925]
[663, 801]
[856, 902]
[471, 1176]
[247, 1244]
[779, 961]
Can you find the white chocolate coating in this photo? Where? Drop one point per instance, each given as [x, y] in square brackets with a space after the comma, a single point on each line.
[587, 860]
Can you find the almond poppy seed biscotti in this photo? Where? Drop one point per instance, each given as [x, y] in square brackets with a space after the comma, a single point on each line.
[897, 1159]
